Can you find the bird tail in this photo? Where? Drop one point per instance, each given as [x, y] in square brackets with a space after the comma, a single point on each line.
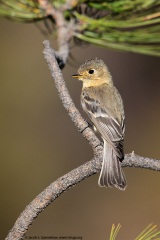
[111, 173]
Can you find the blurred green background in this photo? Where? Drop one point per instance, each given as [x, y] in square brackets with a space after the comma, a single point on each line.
[39, 143]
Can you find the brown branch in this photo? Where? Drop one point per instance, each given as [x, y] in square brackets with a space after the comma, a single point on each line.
[67, 101]
[64, 29]
[55, 189]
[69, 180]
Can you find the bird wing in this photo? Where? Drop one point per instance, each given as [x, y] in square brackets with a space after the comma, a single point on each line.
[110, 128]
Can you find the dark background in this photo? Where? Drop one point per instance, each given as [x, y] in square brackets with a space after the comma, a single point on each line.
[39, 143]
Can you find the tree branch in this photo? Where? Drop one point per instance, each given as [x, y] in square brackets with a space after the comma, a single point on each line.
[64, 29]
[67, 102]
[55, 189]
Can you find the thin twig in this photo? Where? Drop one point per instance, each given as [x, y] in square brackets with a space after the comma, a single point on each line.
[69, 180]
[64, 29]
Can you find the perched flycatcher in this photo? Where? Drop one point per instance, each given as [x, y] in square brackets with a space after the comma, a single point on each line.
[103, 105]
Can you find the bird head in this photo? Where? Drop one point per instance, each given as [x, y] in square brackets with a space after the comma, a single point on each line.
[93, 72]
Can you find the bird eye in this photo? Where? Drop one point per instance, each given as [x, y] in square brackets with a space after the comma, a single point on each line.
[91, 71]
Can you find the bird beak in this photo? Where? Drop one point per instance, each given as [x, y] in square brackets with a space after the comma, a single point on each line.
[76, 75]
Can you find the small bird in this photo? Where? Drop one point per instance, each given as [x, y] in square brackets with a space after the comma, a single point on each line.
[104, 106]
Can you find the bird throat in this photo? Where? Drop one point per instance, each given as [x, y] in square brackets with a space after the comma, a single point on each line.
[95, 82]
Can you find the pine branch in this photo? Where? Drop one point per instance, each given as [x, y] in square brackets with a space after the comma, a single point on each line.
[64, 29]
[64, 183]
[122, 25]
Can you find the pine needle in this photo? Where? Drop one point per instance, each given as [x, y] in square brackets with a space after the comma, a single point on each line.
[114, 232]
[149, 233]
[123, 25]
